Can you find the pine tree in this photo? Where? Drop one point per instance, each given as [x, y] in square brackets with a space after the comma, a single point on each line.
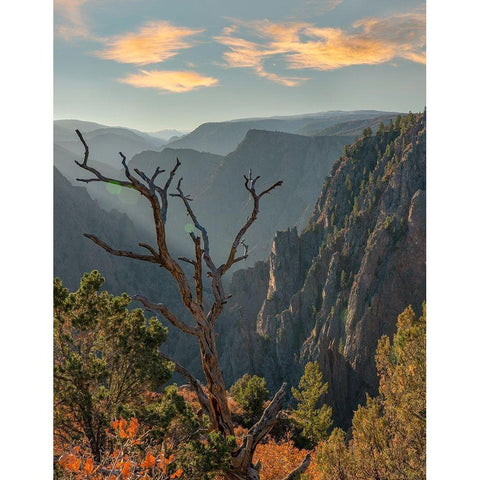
[251, 393]
[314, 420]
[105, 358]
[388, 433]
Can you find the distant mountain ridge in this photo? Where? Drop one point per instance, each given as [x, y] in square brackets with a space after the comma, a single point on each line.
[350, 127]
[214, 181]
[167, 134]
[223, 137]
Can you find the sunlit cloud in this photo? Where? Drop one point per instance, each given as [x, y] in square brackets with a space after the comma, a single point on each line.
[155, 42]
[247, 54]
[70, 22]
[302, 45]
[169, 81]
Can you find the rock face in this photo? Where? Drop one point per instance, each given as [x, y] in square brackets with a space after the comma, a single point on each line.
[334, 290]
[302, 162]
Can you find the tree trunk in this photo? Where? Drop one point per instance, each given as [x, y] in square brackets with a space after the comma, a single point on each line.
[220, 413]
[216, 406]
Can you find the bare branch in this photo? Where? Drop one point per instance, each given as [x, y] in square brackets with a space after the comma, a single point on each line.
[172, 174]
[162, 308]
[132, 179]
[295, 475]
[196, 385]
[85, 146]
[163, 192]
[121, 253]
[269, 416]
[149, 181]
[157, 172]
[250, 186]
[98, 175]
[151, 250]
[239, 259]
[269, 189]
[242, 457]
[187, 260]
[197, 276]
[141, 175]
[162, 256]
[206, 244]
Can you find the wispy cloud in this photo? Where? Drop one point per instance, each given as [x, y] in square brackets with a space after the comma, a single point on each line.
[247, 54]
[155, 42]
[302, 45]
[317, 7]
[70, 21]
[169, 81]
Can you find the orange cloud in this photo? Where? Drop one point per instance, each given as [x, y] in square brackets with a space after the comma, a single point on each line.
[301, 45]
[246, 54]
[169, 81]
[153, 43]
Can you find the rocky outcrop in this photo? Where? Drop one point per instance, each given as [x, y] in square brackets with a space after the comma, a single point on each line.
[336, 288]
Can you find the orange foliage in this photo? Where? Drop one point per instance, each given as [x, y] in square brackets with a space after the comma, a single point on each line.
[239, 433]
[234, 406]
[278, 459]
[71, 463]
[125, 461]
[149, 461]
[88, 467]
[189, 396]
[126, 429]
[177, 474]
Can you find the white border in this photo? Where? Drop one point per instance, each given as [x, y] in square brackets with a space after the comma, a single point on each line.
[453, 244]
[27, 239]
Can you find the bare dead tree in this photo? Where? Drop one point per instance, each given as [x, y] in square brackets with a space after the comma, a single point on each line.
[212, 398]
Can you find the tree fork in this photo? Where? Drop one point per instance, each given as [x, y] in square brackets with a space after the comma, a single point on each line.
[214, 400]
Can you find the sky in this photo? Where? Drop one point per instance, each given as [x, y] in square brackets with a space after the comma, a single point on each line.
[154, 64]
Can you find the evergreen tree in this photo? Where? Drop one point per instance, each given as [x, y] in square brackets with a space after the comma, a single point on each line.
[105, 359]
[388, 433]
[367, 132]
[332, 457]
[314, 420]
[251, 393]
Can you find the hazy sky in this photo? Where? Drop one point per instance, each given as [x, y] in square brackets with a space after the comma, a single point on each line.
[154, 64]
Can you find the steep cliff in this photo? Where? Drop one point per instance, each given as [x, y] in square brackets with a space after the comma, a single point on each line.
[333, 290]
[301, 162]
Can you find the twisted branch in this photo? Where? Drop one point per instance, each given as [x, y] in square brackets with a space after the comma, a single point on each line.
[124, 253]
[163, 309]
[186, 199]
[162, 256]
[302, 468]
[250, 186]
[98, 175]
